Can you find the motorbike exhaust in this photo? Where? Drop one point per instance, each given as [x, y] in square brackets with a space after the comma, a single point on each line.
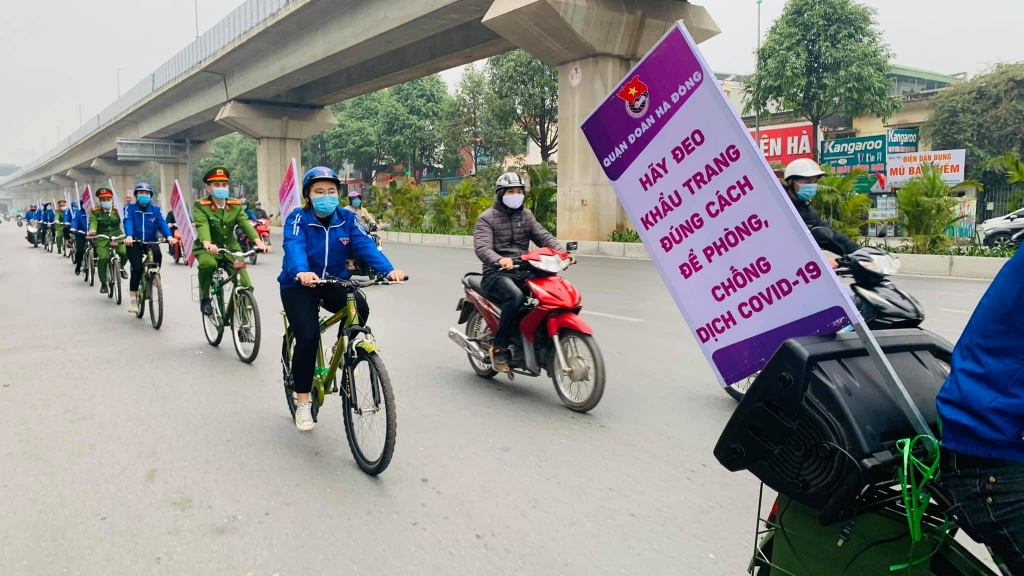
[471, 347]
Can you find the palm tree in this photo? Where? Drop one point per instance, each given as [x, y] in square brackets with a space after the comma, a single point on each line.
[444, 214]
[845, 209]
[1012, 166]
[542, 197]
[926, 208]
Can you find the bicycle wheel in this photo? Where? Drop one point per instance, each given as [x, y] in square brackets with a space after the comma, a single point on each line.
[370, 424]
[245, 326]
[140, 297]
[287, 345]
[252, 258]
[155, 295]
[90, 268]
[212, 325]
[116, 282]
[110, 278]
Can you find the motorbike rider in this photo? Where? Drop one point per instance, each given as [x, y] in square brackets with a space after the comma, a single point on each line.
[318, 239]
[981, 410]
[142, 222]
[502, 233]
[79, 222]
[248, 211]
[259, 212]
[355, 204]
[801, 184]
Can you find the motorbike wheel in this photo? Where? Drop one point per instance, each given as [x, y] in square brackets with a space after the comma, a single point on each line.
[476, 329]
[738, 390]
[252, 258]
[581, 389]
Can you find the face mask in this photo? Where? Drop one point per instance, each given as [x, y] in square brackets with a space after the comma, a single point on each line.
[143, 199]
[807, 191]
[357, 202]
[513, 201]
[221, 193]
[325, 204]
[106, 205]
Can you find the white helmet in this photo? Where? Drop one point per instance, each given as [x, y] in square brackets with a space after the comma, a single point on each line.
[803, 168]
[509, 180]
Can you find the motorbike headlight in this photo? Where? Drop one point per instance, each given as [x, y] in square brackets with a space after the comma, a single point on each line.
[883, 264]
[549, 264]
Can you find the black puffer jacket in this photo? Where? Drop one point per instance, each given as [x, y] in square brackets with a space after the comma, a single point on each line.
[505, 233]
[842, 243]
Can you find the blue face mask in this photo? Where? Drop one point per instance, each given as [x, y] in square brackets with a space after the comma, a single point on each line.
[357, 202]
[221, 193]
[807, 191]
[106, 205]
[325, 205]
[143, 199]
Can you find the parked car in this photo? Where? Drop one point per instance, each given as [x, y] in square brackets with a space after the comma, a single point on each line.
[999, 231]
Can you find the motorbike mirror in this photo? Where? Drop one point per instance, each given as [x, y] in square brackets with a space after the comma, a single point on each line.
[572, 246]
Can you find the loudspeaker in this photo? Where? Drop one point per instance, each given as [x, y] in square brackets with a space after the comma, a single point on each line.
[820, 425]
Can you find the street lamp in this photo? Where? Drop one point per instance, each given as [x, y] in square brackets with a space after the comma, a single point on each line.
[119, 82]
[195, 4]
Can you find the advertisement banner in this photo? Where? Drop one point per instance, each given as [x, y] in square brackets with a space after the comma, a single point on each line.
[739, 262]
[902, 140]
[290, 195]
[867, 153]
[87, 199]
[184, 221]
[903, 167]
[786, 142]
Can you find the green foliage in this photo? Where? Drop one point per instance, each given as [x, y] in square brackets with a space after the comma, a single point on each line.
[413, 124]
[627, 235]
[470, 122]
[984, 116]
[958, 250]
[1013, 168]
[926, 209]
[527, 95]
[821, 58]
[408, 206]
[542, 197]
[238, 154]
[152, 176]
[837, 202]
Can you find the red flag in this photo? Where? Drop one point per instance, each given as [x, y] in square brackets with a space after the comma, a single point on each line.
[632, 90]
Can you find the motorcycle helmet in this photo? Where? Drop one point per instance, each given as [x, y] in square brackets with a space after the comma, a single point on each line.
[509, 180]
[802, 168]
[317, 174]
[143, 187]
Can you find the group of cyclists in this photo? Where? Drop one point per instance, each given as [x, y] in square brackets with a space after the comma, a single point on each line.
[981, 404]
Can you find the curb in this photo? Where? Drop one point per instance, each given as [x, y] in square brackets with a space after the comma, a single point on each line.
[974, 267]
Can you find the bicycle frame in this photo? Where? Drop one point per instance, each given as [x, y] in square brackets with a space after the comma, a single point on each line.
[217, 289]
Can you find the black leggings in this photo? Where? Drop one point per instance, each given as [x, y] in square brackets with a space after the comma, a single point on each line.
[507, 291]
[135, 253]
[79, 248]
[302, 307]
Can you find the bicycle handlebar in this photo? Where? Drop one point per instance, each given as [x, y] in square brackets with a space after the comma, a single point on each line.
[108, 237]
[380, 279]
[238, 254]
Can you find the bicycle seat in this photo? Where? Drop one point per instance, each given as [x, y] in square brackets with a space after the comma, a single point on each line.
[472, 280]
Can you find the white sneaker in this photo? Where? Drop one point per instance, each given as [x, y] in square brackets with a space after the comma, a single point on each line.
[133, 306]
[304, 417]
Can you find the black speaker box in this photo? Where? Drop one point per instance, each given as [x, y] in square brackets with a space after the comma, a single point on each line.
[820, 425]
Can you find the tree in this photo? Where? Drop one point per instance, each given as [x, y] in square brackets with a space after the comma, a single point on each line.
[527, 93]
[836, 200]
[542, 197]
[238, 154]
[1010, 165]
[413, 123]
[470, 122]
[984, 116]
[360, 136]
[822, 58]
[321, 149]
[926, 208]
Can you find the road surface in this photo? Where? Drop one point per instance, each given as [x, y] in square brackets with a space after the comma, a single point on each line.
[125, 450]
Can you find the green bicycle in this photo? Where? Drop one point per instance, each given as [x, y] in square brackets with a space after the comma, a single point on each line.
[365, 389]
[150, 286]
[113, 268]
[240, 311]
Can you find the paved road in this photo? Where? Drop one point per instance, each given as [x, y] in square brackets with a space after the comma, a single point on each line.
[124, 450]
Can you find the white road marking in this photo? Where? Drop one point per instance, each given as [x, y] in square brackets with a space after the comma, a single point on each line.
[612, 316]
[954, 311]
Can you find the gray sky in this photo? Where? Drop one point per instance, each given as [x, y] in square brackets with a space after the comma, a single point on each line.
[57, 55]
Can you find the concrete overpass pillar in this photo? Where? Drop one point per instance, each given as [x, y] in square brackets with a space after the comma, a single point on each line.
[122, 173]
[594, 43]
[278, 130]
[171, 171]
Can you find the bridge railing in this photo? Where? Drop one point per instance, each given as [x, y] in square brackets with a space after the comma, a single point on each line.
[239, 22]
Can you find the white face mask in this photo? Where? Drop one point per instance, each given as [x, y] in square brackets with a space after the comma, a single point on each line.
[513, 201]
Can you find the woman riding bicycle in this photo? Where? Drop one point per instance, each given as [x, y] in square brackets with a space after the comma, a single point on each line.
[142, 222]
[318, 241]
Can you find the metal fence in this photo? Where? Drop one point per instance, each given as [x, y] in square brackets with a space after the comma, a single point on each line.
[996, 201]
[241, 21]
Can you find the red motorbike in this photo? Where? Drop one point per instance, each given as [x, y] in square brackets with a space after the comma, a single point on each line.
[551, 334]
[263, 229]
[175, 250]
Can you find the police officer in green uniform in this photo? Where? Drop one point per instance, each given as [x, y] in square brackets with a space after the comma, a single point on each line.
[215, 219]
[62, 206]
[106, 220]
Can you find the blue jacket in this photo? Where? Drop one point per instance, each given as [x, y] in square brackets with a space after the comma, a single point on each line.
[32, 216]
[981, 405]
[250, 214]
[143, 223]
[309, 247]
[78, 219]
[49, 216]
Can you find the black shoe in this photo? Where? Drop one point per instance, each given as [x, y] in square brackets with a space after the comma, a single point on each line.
[500, 358]
[124, 275]
[103, 289]
[205, 307]
[78, 270]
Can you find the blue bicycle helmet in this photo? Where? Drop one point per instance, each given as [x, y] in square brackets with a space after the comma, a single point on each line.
[319, 173]
[143, 187]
